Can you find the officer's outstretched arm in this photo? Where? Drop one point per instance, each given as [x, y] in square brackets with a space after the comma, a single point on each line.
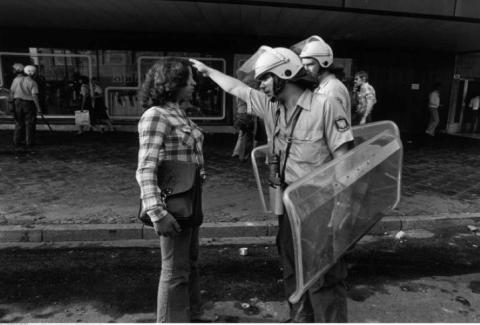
[229, 84]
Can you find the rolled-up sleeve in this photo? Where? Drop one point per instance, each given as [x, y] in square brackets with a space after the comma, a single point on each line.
[337, 127]
[152, 129]
[257, 102]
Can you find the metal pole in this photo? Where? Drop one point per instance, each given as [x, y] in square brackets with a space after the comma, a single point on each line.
[46, 122]
[1, 72]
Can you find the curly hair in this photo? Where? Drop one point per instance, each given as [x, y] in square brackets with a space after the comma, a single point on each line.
[163, 81]
[362, 74]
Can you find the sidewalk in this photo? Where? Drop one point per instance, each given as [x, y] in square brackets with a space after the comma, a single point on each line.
[76, 181]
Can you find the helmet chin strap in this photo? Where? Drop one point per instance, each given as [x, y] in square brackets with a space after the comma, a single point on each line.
[278, 86]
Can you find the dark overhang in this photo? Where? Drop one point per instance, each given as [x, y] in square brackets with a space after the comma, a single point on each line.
[448, 25]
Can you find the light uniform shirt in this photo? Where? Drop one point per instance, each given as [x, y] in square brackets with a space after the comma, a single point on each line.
[24, 87]
[434, 99]
[475, 103]
[331, 86]
[322, 127]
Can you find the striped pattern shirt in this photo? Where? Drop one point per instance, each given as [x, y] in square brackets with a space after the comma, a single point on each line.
[165, 133]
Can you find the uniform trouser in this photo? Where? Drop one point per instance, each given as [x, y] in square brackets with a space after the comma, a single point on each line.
[326, 300]
[434, 120]
[178, 290]
[25, 122]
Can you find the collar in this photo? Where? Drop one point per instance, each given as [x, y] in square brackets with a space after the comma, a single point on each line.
[325, 80]
[365, 85]
[305, 100]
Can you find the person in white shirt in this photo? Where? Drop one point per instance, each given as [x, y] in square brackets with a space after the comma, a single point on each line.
[474, 104]
[433, 105]
[317, 59]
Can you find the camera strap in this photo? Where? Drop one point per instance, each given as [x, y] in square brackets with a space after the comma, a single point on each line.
[294, 121]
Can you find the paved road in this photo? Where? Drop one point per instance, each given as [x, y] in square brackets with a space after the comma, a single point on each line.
[425, 277]
[90, 179]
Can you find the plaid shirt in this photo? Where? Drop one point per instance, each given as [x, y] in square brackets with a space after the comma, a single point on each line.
[165, 133]
[365, 94]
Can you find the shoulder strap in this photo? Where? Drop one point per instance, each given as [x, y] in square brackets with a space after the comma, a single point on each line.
[289, 141]
[277, 118]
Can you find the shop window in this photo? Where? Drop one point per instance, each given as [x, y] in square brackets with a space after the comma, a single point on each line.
[208, 100]
[61, 74]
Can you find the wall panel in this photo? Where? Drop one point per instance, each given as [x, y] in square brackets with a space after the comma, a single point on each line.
[468, 8]
[429, 7]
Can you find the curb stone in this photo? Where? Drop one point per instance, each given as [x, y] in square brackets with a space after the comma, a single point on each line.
[209, 231]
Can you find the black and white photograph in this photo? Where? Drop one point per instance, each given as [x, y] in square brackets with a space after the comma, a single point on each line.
[239, 161]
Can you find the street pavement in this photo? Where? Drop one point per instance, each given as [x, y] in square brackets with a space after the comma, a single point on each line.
[422, 277]
[90, 179]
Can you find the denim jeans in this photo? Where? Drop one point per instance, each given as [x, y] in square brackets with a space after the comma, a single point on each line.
[326, 300]
[25, 115]
[178, 290]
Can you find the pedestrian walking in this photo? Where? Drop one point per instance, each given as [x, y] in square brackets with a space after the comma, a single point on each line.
[24, 95]
[85, 104]
[99, 114]
[364, 99]
[317, 59]
[306, 130]
[433, 106]
[474, 105]
[171, 145]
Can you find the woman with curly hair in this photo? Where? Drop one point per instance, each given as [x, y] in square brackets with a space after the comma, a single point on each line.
[167, 135]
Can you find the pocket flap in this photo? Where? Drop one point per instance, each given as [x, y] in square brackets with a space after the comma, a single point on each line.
[176, 177]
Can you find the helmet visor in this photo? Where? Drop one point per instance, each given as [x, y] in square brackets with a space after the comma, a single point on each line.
[298, 47]
[263, 60]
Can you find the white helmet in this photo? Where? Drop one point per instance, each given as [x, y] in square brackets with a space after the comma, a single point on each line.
[315, 47]
[280, 61]
[30, 70]
[18, 67]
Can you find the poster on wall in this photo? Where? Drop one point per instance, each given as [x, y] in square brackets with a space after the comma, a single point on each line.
[115, 58]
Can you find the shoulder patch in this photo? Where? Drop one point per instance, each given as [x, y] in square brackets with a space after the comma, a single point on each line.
[342, 124]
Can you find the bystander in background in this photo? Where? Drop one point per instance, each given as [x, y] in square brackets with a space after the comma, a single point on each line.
[247, 125]
[364, 98]
[85, 103]
[99, 115]
[474, 105]
[433, 105]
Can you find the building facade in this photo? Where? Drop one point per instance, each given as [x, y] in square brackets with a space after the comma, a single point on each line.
[405, 46]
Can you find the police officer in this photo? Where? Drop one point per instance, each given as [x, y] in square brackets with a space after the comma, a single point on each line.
[42, 88]
[24, 93]
[317, 59]
[321, 132]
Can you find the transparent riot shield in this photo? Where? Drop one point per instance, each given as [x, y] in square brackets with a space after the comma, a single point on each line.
[333, 207]
[259, 163]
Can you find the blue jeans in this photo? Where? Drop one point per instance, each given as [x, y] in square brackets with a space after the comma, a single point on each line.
[178, 290]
